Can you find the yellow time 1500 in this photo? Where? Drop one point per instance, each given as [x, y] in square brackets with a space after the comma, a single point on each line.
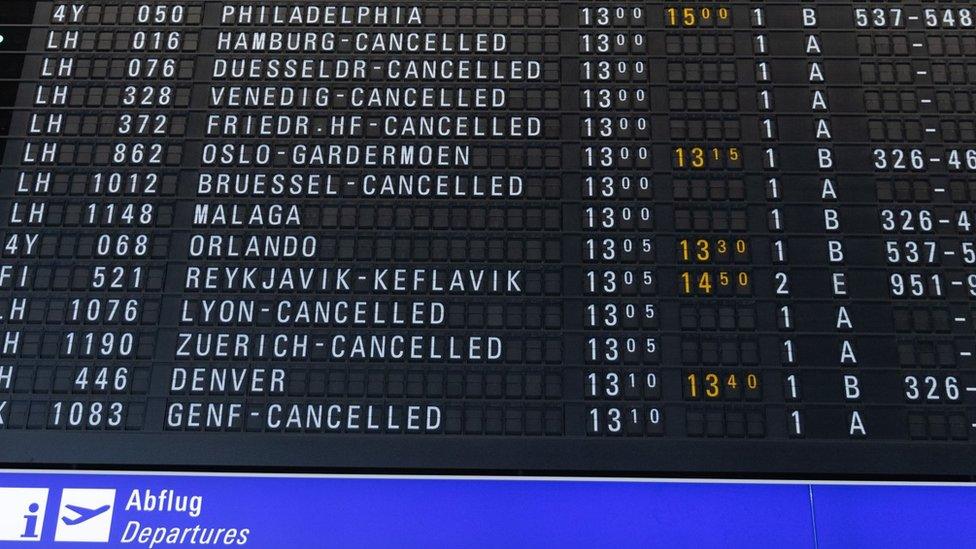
[697, 16]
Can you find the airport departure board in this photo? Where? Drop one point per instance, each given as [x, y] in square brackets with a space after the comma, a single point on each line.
[595, 237]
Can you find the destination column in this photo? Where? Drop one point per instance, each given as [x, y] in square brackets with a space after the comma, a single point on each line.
[374, 230]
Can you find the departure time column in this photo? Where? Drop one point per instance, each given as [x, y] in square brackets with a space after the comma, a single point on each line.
[619, 248]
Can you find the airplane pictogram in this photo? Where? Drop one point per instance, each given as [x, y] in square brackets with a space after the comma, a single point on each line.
[84, 514]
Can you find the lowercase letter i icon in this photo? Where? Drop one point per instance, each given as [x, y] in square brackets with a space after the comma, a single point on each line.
[30, 522]
[22, 513]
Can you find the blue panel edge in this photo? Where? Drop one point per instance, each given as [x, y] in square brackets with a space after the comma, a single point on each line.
[162, 510]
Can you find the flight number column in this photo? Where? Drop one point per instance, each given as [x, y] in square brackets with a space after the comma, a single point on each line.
[151, 154]
[88, 214]
[128, 191]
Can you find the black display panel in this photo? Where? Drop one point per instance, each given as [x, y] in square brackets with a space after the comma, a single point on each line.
[546, 237]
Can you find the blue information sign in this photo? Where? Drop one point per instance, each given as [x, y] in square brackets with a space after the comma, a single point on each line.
[156, 511]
